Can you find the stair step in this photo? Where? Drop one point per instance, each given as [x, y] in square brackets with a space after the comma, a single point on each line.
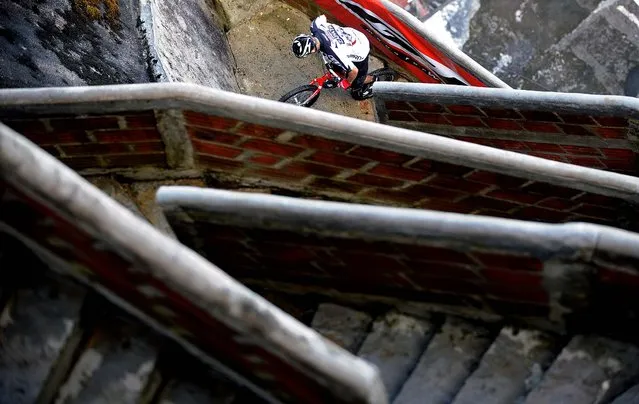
[342, 325]
[394, 346]
[450, 357]
[114, 367]
[590, 369]
[513, 365]
[37, 327]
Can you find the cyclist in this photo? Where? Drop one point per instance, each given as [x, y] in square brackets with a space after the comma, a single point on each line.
[346, 48]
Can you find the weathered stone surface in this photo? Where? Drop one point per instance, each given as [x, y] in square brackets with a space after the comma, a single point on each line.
[70, 42]
[631, 396]
[511, 367]
[342, 325]
[394, 346]
[187, 392]
[589, 369]
[115, 367]
[450, 357]
[36, 328]
[190, 43]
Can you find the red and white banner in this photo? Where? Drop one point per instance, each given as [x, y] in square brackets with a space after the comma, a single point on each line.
[399, 42]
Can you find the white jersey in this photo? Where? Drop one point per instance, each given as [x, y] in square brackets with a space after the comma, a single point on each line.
[341, 45]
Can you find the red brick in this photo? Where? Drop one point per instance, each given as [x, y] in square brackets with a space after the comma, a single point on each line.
[518, 309]
[89, 149]
[51, 150]
[505, 124]
[477, 140]
[576, 130]
[275, 174]
[435, 254]
[338, 160]
[320, 143]
[43, 138]
[209, 121]
[614, 121]
[142, 120]
[621, 154]
[78, 163]
[259, 131]
[219, 164]
[136, 160]
[283, 252]
[381, 155]
[388, 195]
[131, 135]
[465, 121]
[548, 190]
[544, 147]
[335, 186]
[543, 116]
[423, 191]
[480, 202]
[306, 167]
[448, 182]
[440, 269]
[515, 196]
[400, 116]
[515, 285]
[620, 165]
[595, 211]
[577, 119]
[398, 172]
[447, 206]
[445, 168]
[266, 146]
[464, 110]
[221, 231]
[539, 214]
[368, 261]
[509, 144]
[540, 127]
[557, 203]
[213, 135]
[494, 213]
[397, 106]
[93, 123]
[264, 159]
[596, 199]
[451, 285]
[591, 162]
[502, 113]
[508, 261]
[503, 181]
[435, 119]
[611, 133]
[582, 150]
[213, 149]
[374, 180]
[427, 107]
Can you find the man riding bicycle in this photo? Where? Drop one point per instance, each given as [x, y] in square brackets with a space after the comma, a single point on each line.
[346, 48]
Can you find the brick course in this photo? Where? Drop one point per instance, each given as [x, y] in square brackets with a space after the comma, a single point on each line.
[519, 130]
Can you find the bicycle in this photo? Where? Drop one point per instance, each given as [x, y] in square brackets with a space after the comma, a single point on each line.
[307, 94]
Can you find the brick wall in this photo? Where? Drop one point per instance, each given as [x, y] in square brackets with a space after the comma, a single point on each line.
[505, 282]
[116, 270]
[596, 141]
[360, 173]
[96, 141]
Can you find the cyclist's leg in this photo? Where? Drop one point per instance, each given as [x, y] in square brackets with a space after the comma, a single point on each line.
[360, 88]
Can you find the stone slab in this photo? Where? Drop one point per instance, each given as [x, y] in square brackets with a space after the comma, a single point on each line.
[342, 325]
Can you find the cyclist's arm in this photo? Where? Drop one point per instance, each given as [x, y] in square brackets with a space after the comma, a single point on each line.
[351, 69]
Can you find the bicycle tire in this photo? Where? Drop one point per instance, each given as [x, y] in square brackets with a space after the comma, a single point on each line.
[303, 102]
[384, 74]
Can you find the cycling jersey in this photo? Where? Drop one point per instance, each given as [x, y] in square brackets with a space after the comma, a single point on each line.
[343, 46]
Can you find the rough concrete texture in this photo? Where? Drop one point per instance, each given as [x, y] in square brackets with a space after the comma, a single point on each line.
[572, 45]
[115, 367]
[597, 369]
[394, 345]
[450, 357]
[511, 367]
[266, 66]
[190, 43]
[36, 328]
[342, 325]
[70, 43]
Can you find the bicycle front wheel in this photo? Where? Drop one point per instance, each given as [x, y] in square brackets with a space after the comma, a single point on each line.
[304, 96]
[384, 74]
